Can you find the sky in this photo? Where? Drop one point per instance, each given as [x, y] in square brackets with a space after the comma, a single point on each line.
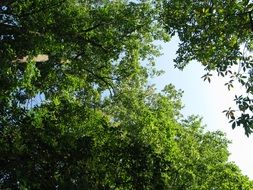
[207, 100]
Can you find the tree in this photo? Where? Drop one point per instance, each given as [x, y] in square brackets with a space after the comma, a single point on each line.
[218, 34]
[85, 118]
[89, 50]
[135, 139]
[204, 160]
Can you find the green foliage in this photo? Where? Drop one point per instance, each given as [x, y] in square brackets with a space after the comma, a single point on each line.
[86, 118]
[219, 35]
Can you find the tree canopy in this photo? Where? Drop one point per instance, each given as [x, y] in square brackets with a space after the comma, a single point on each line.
[218, 34]
[86, 117]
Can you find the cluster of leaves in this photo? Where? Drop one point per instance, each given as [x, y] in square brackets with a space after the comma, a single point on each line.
[85, 118]
[135, 140]
[218, 34]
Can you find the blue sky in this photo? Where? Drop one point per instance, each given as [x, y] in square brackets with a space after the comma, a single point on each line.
[208, 101]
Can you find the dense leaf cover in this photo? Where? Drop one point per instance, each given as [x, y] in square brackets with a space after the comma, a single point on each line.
[86, 118]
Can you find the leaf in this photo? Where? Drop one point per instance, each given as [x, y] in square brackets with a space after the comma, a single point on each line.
[233, 125]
